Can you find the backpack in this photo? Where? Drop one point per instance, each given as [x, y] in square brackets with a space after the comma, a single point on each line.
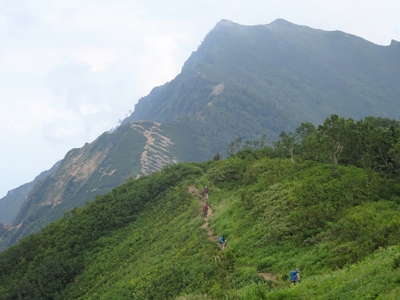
[293, 276]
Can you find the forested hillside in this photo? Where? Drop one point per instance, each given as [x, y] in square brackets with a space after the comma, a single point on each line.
[325, 200]
[243, 81]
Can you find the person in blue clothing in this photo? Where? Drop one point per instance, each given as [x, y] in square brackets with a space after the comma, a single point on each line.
[294, 276]
[222, 242]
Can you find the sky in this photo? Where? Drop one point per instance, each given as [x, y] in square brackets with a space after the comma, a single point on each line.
[72, 69]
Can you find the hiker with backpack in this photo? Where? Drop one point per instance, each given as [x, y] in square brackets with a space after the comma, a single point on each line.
[222, 242]
[205, 210]
[294, 276]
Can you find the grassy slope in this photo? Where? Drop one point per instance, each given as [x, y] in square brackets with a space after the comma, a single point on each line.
[144, 240]
[315, 218]
[377, 277]
[162, 253]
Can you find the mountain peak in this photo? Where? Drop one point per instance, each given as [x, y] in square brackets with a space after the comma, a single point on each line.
[394, 43]
[225, 23]
[281, 23]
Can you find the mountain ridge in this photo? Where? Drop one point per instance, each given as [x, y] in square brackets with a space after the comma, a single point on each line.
[297, 205]
[191, 63]
[242, 81]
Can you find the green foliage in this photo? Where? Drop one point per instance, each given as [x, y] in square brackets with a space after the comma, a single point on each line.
[373, 278]
[61, 248]
[227, 172]
[337, 223]
[362, 230]
[217, 156]
[371, 143]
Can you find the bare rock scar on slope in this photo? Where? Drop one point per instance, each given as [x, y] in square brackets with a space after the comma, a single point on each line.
[157, 150]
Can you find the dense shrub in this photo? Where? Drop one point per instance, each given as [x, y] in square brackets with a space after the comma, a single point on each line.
[338, 223]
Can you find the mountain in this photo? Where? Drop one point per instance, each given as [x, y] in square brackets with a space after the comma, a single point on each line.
[276, 76]
[89, 171]
[149, 239]
[242, 81]
[12, 202]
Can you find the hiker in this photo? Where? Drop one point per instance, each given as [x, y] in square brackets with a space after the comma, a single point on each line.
[205, 210]
[205, 192]
[294, 276]
[222, 242]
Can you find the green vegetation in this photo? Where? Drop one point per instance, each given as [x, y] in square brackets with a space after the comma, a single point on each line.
[79, 177]
[274, 77]
[243, 81]
[301, 204]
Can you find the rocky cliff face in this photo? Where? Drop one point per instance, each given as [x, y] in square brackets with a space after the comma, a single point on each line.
[132, 150]
[157, 151]
[242, 81]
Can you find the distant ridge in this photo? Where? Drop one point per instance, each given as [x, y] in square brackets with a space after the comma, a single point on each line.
[243, 81]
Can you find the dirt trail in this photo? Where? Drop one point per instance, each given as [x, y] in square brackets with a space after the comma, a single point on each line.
[212, 236]
[210, 233]
[268, 276]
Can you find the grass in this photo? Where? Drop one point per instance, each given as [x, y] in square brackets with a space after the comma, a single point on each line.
[144, 240]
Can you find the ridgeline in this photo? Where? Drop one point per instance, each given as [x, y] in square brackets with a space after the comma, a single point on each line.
[242, 81]
[321, 200]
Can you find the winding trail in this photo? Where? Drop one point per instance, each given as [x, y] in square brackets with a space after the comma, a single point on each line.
[193, 190]
[210, 233]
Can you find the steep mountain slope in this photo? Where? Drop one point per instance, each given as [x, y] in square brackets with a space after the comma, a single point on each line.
[11, 204]
[131, 150]
[242, 81]
[146, 239]
[272, 77]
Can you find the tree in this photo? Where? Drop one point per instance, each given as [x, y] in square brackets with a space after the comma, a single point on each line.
[235, 146]
[305, 130]
[217, 156]
[287, 144]
[258, 143]
[379, 139]
[336, 133]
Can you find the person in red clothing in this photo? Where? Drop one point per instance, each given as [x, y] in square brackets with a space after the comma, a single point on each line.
[205, 210]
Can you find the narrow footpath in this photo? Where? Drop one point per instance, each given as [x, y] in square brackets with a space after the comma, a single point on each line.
[211, 234]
